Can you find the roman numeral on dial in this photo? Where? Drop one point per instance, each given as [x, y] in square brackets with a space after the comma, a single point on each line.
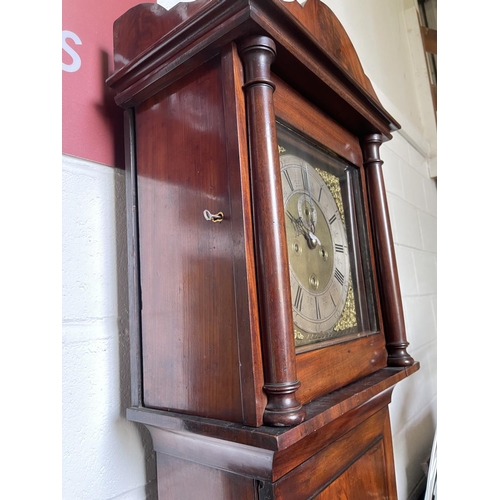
[318, 311]
[297, 303]
[287, 177]
[333, 302]
[339, 276]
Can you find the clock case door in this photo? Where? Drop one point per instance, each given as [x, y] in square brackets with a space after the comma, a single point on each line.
[211, 321]
[328, 365]
[199, 341]
[328, 247]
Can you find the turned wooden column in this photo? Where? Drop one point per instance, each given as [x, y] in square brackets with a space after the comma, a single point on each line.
[273, 281]
[390, 293]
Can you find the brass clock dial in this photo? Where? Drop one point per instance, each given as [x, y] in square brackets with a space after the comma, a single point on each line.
[327, 244]
[317, 248]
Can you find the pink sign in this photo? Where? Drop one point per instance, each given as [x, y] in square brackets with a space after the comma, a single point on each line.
[92, 123]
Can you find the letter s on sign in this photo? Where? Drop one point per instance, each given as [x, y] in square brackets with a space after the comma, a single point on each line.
[77, 62]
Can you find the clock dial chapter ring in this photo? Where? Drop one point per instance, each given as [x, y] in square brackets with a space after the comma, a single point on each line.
[317, 248]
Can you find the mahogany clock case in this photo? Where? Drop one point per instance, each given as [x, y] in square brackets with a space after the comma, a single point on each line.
[204, 86]
[235, 406]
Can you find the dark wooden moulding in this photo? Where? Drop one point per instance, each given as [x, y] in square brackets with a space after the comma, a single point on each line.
[233, 410]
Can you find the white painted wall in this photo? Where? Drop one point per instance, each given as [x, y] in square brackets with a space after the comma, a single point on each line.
[106, 457]
[412, 206]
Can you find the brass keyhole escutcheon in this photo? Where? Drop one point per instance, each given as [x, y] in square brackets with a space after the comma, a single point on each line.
[218, 217]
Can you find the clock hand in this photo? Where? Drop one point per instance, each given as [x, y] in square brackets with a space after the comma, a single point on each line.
[300, 228]
[312, 239]
[311, 205]
[295, 222]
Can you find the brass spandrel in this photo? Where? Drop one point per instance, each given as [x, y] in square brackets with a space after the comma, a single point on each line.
[333, 184]
[348, 317]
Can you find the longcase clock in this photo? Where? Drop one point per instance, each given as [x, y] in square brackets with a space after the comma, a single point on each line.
[266, 320]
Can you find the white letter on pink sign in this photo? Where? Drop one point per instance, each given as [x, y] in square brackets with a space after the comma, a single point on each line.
[77, 62]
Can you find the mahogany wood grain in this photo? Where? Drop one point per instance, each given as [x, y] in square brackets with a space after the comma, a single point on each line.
[155, 23]
[372, 254]
[370, 476]
[292, 108]
[338, 432]
[365, 478]
[289, 458]
[309, 66]
[319, 413]
[329, 33]
[275, 464]
[177, 51]
[352, 360]
[233, 457]
[390, 472]
[317, 473]
[316, 74]
[351, 467]
[189, 323]
[392, 305]
[249, 345]
[183, 480]
[275, 303]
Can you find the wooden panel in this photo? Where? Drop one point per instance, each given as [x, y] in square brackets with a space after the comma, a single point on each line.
[189, 324]
[371, 438]
[323, 24]
[371, 476]
[292, 108]
[179, 479]
[325, 370]
[154, 22]
[287, 459]
[364, 479]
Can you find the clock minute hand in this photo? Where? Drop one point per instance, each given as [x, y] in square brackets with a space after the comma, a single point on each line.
[307, 185]
[296, 223]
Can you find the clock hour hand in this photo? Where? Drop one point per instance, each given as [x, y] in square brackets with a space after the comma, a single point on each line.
[300, 228]
[312, 239]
